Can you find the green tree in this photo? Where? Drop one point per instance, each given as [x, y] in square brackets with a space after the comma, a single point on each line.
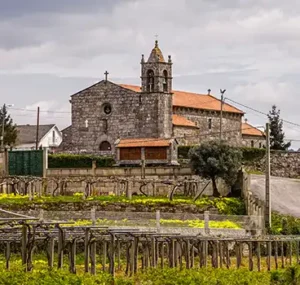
[10, 131]
[276, 132]
[216, 160]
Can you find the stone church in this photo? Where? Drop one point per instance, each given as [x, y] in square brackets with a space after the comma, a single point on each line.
[149, 121]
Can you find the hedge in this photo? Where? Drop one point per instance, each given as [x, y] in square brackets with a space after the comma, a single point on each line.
[249, 153]
[78, 161]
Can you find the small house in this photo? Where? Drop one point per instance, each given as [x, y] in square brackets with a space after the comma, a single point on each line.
[48, 136]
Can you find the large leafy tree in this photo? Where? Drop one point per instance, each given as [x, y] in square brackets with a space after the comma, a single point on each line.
[216, 160]
[10, 131]
[276, 133]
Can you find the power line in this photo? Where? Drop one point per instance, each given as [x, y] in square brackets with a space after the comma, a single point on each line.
[31, 110]
[260, 112]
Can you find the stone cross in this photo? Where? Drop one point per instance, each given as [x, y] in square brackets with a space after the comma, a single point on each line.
[106, 75]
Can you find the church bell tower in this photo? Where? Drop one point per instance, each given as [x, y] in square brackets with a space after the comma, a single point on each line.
[156, 72]
[156, 81]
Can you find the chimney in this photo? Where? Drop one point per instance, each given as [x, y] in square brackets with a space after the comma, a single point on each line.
[208, 91]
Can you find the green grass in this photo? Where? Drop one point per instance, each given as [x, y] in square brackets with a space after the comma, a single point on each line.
[203, 276]
[226, 206]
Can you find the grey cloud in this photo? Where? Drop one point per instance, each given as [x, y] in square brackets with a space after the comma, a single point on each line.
[249, 47]
[17, 8]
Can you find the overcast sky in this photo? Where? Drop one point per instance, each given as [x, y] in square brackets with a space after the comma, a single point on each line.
[52, 49]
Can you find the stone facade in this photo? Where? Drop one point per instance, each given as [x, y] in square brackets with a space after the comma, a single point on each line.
[107, 112]
[253, 141]
[208, 123]
[132, 115]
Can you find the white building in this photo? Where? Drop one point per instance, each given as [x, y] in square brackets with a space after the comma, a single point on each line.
[48, 136]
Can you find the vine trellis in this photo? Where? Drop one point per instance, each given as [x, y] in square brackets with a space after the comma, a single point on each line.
[131, 250]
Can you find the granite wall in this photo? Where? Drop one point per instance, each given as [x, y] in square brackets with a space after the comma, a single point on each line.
[106, 112]
[283, 164]
[253, 141]
[208, 123]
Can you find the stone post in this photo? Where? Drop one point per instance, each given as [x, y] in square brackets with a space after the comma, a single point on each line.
[41, 215]
[94, 166]
[93, 215]
[206, 222]
[158, 220]
[45, 162]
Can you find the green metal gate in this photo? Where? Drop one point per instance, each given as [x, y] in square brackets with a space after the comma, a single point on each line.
[28, 162]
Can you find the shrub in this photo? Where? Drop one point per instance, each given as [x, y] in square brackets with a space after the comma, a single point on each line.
[78, 161]
[249, 153]
[252, 154]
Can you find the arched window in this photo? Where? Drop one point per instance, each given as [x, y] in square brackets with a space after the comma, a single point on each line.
[165, 81]
[252, 143]
[105, 146]
[150, 80]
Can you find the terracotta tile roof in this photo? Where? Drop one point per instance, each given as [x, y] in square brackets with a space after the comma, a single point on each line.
[194, 100]
[182, 121]
[200, 101]
[249, 130]
[131, 87]
[144, 142]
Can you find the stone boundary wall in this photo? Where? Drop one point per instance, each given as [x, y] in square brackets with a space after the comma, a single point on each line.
[159, 173]
[254, 206]
[283, 164]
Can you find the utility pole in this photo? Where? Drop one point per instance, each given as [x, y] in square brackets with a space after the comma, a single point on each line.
[2, 132]
[37, 128]
[267, 186]
[221, 114]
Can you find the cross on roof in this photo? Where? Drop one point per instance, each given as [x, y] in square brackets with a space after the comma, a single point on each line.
[106, 75]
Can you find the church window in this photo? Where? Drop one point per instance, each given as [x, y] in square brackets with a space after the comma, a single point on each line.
[106, 108]
[105, 146]
[260, 145]
[165, 81]
[252, 143]
[209, 123]
[150, 80]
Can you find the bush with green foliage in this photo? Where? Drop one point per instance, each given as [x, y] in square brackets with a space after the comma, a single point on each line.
[249, 153]
[78, 161]
[285, 225]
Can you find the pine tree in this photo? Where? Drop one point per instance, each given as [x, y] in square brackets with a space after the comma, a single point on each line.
[10, 131]
[276, 133]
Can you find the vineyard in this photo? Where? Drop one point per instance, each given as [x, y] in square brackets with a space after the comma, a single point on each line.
[107, 248]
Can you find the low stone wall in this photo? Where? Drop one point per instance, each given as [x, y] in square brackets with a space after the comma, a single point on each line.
[153, 173]
[71, 208]
[283, 164]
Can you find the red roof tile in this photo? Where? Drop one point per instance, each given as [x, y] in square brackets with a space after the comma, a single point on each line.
[182, 121]
[249, 130]
[144, 142]
[194, 100]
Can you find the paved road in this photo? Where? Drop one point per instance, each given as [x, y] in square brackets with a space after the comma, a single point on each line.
[285, 193]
